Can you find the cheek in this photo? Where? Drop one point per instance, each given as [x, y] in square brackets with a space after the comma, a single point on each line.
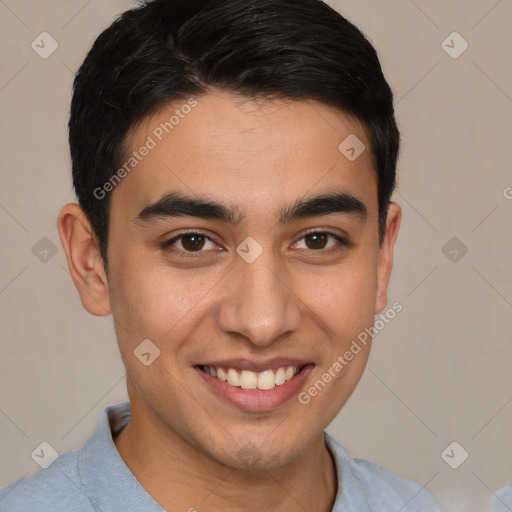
[158, 302]
[343, 304]
[342, 298]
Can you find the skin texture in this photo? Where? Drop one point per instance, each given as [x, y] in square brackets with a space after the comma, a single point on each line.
[186, 445]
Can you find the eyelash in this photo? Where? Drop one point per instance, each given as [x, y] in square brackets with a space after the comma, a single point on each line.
[168, 245]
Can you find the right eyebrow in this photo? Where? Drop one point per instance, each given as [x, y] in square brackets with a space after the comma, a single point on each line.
[176, 204]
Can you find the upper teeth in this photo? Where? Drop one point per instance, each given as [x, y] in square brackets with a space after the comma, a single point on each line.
[253, 380]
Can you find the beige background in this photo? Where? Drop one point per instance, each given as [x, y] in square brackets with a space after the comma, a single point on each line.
[440, 372]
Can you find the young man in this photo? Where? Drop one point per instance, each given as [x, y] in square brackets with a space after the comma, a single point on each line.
[234, 162]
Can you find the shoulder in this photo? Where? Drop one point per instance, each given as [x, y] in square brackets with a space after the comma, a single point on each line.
[384, 486]
[376, 487]
[501, 501]
[54, 489]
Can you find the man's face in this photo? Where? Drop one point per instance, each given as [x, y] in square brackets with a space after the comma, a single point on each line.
[282, 272]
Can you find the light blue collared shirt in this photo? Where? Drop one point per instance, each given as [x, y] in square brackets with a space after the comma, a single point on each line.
[95, 478]
[501, 501]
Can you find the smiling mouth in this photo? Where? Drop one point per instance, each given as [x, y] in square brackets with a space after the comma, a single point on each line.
[246, 379]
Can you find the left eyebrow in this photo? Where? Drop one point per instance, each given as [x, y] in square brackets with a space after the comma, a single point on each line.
[176, 204]
[340, 202]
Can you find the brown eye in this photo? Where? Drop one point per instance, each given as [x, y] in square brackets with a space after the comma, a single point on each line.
[190, 243]
[321, 241]
[316, 240]
[193, 242]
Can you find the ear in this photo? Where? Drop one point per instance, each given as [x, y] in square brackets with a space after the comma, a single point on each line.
[84, 260]
[385, 259]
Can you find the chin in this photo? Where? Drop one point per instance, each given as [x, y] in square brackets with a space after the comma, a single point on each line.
[263, 455]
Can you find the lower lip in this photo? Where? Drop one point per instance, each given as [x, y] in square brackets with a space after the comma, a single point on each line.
[257, 399]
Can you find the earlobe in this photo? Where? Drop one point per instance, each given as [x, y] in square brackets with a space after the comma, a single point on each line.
[385, 260]
[84, 259]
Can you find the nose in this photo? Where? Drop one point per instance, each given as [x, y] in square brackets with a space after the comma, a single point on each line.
[260, 304]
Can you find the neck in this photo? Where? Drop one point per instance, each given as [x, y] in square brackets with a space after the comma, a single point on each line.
[179, 477]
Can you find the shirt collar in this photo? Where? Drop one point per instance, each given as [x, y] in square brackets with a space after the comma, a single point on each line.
[350, 496]
[106, 479]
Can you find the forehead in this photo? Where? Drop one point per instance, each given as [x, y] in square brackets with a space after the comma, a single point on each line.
[252, 152]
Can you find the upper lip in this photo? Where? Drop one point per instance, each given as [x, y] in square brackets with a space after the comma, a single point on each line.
[256, 366]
